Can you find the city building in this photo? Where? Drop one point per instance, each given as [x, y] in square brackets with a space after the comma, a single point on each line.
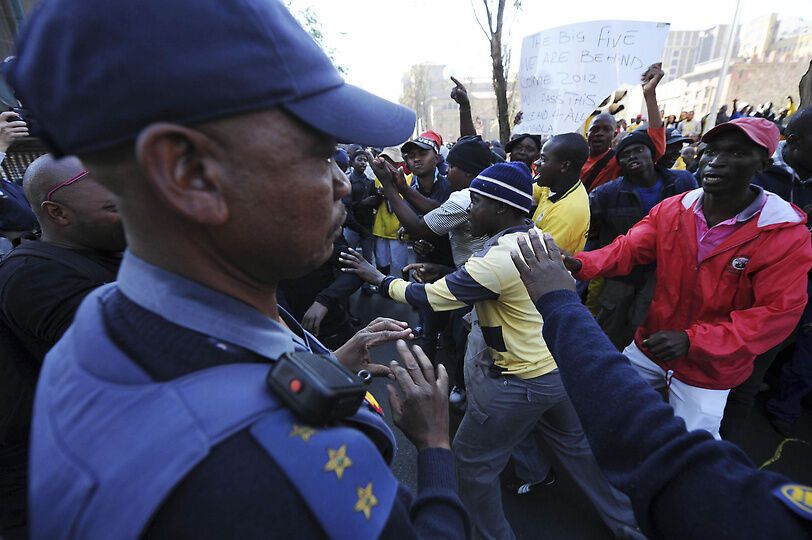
[427, 89]
[680, 52]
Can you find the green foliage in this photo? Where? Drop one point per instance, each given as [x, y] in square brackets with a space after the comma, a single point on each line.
[311, 22]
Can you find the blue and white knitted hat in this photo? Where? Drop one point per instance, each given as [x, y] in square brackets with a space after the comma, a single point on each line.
[510, 183]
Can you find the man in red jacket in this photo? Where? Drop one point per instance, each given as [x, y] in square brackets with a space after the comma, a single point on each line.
[732, 262]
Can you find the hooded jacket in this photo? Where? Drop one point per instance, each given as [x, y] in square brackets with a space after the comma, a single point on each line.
[740, 301]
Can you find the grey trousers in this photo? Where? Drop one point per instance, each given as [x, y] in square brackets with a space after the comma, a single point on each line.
[501, 413]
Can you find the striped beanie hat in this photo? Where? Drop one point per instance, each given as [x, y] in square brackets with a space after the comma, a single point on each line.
[509, 182]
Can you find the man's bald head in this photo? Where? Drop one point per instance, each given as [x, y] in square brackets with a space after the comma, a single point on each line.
[44, 174]
[600, 134]
[605, 118]
[82, 214]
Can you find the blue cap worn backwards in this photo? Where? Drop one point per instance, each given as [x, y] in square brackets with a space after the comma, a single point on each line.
[93, 73]
[510, 183]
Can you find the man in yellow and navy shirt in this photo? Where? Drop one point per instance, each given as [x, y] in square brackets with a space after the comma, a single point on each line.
[520, 390]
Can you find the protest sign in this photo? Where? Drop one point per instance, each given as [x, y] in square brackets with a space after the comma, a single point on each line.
[567, 71]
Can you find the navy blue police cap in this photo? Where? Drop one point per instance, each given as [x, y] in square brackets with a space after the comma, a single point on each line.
[94, 73]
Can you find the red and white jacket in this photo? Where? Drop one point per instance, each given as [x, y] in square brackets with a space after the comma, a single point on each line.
[743, 299]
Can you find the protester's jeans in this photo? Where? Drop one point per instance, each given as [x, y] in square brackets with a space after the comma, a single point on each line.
[354, 240]
[502, 412]
[391, 253]
[796, 376]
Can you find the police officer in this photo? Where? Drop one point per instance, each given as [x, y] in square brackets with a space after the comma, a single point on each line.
[214, 125]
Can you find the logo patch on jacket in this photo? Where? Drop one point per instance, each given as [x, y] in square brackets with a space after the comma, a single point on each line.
[738, 263]
[797, 498]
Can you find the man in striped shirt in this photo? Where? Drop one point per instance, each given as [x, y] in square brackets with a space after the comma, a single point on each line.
[520, 389]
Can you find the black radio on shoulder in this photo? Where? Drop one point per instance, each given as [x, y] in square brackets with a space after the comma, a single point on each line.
[318, 389]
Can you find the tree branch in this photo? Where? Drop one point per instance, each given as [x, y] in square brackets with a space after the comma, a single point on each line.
[479, 22]
[490, 17]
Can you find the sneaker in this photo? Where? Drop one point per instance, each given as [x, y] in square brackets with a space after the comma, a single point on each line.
[527, 488]
[457, 395]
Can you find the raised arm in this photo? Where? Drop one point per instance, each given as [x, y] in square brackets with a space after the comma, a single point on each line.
[391, 180]
[460, 94]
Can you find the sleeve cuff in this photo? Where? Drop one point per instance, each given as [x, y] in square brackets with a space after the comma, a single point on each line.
[435, 469]
[325, 301]
[551, 301]
[384, 288]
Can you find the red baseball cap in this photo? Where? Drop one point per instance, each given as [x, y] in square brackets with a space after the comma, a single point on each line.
[428, 140]
[759, 130]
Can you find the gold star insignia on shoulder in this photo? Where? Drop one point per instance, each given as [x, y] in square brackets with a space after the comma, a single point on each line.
[338, 460]
[366, 500]
[305, 432]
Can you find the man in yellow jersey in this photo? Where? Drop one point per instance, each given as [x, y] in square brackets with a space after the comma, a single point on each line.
[391, 255]
[520, 389]
[563, 208]
[563, 212]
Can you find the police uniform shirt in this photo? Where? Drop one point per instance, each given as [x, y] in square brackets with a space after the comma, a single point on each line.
[171, 326]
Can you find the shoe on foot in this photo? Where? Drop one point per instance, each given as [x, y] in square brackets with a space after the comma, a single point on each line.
[457, 395]
[528, 488]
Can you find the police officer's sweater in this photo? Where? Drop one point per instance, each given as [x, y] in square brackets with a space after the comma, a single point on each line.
[682, 484]
[238, 491]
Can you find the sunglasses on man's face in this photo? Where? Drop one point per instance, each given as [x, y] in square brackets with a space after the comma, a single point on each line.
[66, 183]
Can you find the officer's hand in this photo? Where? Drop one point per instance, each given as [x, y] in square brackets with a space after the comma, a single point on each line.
[355, 263]
[668, 345]
[11, 128]
[422, 412]
[354, 354]
[542, 270]
[311, 321]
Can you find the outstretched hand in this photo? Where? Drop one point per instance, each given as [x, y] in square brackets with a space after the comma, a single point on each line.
[389, 175]
[460, 94]
[652, 77]
[428, 272]
[541, 268]
[382, 169]
[422, 412]
[355, 263]
[354, 354]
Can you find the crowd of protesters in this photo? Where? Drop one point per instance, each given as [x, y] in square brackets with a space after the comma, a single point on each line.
[179, 354]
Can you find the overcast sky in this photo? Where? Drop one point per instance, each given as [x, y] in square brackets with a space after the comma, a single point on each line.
[378, 40]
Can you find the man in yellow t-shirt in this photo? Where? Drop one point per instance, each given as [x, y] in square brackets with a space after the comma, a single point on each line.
[391, 255]
[562, 211]
[563, 204]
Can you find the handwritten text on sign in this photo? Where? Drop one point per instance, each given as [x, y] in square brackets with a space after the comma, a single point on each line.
[567, 71]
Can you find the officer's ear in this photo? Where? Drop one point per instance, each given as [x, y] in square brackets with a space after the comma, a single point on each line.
[184, 167]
